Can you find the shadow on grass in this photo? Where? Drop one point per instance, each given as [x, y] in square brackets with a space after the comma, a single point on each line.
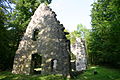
[10, 76]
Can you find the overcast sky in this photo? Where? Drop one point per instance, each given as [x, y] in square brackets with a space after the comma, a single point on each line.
[73, 12]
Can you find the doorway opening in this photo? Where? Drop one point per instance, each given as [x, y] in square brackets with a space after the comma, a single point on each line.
[36, 64]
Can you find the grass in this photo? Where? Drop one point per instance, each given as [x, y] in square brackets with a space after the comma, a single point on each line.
[10, 76]
[102, 74]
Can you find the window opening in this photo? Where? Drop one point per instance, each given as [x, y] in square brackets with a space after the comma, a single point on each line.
[35, 34]
[53, 64]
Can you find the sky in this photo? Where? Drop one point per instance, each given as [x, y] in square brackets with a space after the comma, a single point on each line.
[70, 13]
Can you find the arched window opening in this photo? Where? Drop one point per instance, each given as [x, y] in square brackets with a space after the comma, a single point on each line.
[53, 64]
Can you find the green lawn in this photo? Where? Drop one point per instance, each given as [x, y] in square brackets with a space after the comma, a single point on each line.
[102, 74]
[10, 76]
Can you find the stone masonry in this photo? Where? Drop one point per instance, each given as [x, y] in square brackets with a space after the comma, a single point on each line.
[79, 50]
[46, 38]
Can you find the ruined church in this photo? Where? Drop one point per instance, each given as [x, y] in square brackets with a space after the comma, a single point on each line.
[44, 48]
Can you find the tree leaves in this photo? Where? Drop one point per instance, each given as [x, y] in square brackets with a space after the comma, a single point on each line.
[105, 29]
[14, 18]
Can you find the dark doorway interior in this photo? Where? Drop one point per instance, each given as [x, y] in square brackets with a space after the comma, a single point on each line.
[36, 63]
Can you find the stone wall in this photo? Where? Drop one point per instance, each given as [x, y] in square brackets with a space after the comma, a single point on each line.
[78, 49]
[44, 36]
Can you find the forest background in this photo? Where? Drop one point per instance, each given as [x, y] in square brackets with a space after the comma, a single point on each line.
[102, 41]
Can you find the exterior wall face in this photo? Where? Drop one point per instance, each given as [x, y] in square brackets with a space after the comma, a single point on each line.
[78, 50]
[51, 43]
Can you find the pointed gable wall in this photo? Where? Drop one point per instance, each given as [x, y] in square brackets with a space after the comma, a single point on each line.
[44, 36]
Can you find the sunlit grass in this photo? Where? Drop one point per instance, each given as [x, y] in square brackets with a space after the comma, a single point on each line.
[102, 74]
[10, 76]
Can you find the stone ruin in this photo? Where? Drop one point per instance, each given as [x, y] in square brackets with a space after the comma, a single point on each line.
[79, 50]
[44, 48]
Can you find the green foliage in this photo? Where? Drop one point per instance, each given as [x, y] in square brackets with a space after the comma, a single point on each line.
[105, 40]
[81, 32]
[73, 36]
[22, 13]
[14, 18]
[5, 38]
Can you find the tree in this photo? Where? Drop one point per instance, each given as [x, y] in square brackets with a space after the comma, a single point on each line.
[5, 48]
[21, 16]
[80, 32]
[104, 41]
[14, 18]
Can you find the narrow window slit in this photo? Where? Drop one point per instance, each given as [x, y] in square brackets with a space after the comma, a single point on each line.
[35, 34]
